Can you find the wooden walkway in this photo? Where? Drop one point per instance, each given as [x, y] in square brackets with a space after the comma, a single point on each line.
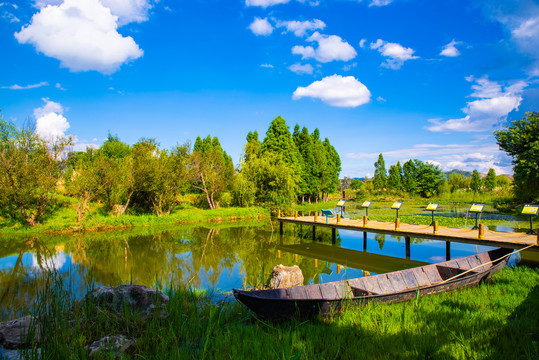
[464, 235]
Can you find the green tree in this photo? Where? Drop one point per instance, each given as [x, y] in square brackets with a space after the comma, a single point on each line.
[30, 169]
[331, 177]
[458, 181]
[475, 184]
[429, 178]
[410, 177]
[489, 182]
[82, 180]
[520, 139]
[394, 180]
[380, 175]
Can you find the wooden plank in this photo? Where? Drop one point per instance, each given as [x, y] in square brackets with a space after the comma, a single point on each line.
[299, 292]
[357, 283]
[463, 264]
[329, 291]
[420, 276]
[385, 284]
[397, 281]
[432, 273]
[409, 278]
[371, 285]
[474, 261]
[483, 257]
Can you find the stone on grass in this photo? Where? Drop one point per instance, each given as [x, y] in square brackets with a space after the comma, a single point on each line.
[138, 298]
[117, 344]
[14, 333]
[285, 276]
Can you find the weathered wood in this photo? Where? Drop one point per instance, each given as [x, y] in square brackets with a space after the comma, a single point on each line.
[421, 277]
[409, 278]
[432, 273]
[397, 280]
[385, 284]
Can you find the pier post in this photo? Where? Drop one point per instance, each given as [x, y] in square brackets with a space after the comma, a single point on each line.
[365, 221]
[447, 250]
[333, 235]
[295, 215]
[295, 257]
[364, 241]
[315, 216]
[435, 228]
[397, 224]
[278, 213]
[537, 237]
[280, 227]
[407, 246]
[314, 232]
[481, 232]
[338, 218]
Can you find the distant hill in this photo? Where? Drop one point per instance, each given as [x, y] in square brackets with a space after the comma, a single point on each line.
[461, 172]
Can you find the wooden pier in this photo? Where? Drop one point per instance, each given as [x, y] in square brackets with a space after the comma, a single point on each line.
[481, 236]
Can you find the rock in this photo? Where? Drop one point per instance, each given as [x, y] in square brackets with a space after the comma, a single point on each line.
[285, 276]
[14, 333]
[15, 354]
[117, 344]
[138, 298]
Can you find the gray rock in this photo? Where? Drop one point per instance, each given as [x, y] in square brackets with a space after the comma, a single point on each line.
[138, 298]
[14, 333]
[15, 354]
[117, 344]
[285, 276]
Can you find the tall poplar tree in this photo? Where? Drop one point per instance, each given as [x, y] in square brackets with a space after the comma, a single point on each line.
[380, 175]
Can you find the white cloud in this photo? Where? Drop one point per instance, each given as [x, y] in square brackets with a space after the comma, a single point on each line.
[450, 50]
[492, 106]
[265, 3]
[521, 18]
[302, 69]
[396, 54]
[362, 43]
[336, 90]
[330, 48]
[82, 34]
[26, 87]
[127, 11]
[261, 27]
[266, 66]
[380, 2]
[50, 123]
[300, 28]
[381, 100]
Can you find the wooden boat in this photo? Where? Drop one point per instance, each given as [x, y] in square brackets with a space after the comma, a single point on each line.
[330, 298]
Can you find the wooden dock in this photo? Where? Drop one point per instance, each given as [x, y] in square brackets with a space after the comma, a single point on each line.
[482, 236]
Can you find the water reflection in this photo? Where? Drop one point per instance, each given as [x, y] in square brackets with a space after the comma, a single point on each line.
[219, 257]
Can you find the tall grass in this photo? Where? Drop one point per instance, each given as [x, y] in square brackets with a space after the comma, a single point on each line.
[495, 320]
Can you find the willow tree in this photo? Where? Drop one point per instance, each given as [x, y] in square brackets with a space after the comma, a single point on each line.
[30, 169]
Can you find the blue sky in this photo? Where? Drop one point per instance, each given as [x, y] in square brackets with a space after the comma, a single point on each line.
[407, 78]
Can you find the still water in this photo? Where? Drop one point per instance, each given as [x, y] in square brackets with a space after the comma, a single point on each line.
[220, 257]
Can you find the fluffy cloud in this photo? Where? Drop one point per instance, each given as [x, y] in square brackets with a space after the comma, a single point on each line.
[26, 87]
[521, 18]
[300, 28]
[330, 48]
[269, 66]
[492, 106]
[302, 69]
[380, 2]
[264, 3]
[396, 54]
[82, 34]
[50, 123]
[450, 50]
[261, 27]
[336, 90]
[127, 11]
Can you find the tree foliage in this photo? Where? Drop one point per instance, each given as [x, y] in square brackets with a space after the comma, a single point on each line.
[30, 169]
[520, 140]
[380, 174]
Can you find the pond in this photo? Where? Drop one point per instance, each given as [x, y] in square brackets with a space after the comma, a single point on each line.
[219, 257]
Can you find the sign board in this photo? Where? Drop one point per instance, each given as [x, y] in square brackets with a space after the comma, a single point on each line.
[366, 203]
[477, 208]
[432, 206]
[341, 203]
[396, 205]
[530, 210]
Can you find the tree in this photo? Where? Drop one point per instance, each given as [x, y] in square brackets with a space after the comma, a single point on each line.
[475, 184]
[82, 180]
[30, 169]
[489, 182]
[410, 177]
[520, 139]
[429, 178]
[380, 175]
[457, 182]
[394, 180]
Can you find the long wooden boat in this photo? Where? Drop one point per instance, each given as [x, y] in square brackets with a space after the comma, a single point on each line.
[330, 298]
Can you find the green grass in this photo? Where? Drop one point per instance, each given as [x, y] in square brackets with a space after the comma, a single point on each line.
[496, 320]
